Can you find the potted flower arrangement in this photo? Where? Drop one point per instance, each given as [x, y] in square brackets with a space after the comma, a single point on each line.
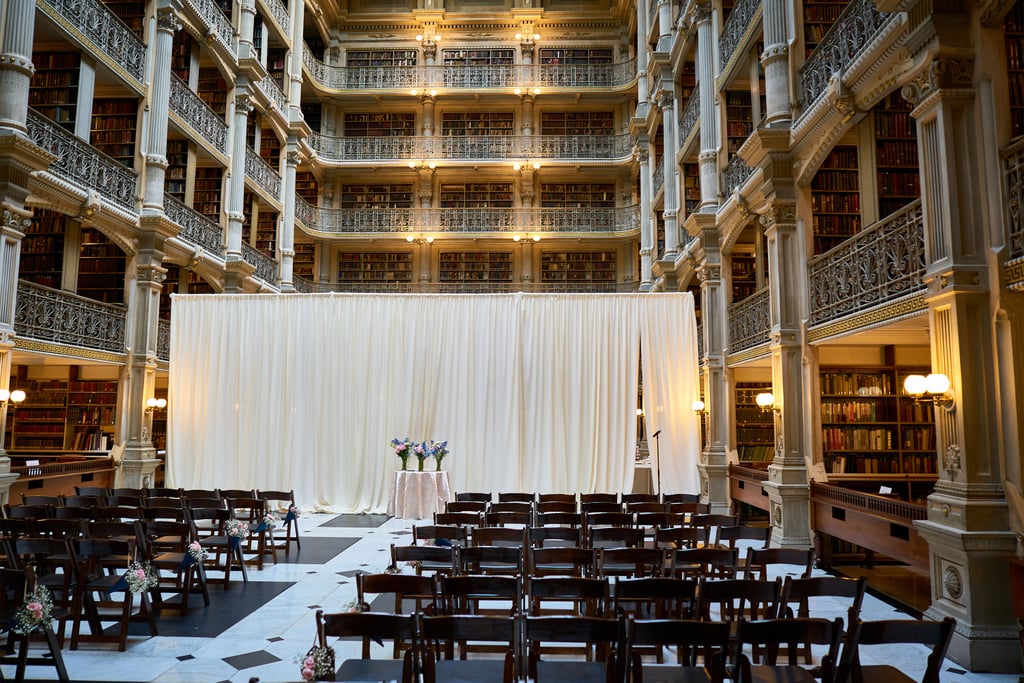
[438, 450]
[403, 449]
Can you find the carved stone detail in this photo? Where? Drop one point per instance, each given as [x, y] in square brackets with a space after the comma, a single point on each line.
[167, 20]
[942, 73]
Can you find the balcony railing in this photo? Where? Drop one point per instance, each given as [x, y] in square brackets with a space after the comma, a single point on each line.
[469, 147]
[881, 263]
[262, 174]
[266, 267]
[82, 163]
[852, 32]
[750, 321]
[340, 222]
[163, 339]
[272, 90]
[1013, 186]
[690, 115]
[481, 287]
[572, 76]
[194, 227]
[740, 18]
[103, 32]
[735, 174]
[280, 13]
[218, 25]
[60, 317]
[658, 178]
[196, 114]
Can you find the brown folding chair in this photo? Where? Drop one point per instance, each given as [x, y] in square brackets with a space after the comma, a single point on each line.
[370, 626]
[864, 635]
[15, 584]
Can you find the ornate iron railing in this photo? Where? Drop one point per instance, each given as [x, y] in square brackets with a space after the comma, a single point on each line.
[163, 339]
[468, 77]
[194, 227]
[881, 263]
[280, 13]
[1013, 186]
[853, 30]
[266, 267]
[52, 315]
[198, 115]
[690, 115]
[219, 25]
[467, 147]
[273, 91]
[107, 34]
[735, 174]
[84, 164]
[750, 321]
[305, 286]
[482, 287]
[658, 177]
[554, 220]
[262, 174]
[736, 25]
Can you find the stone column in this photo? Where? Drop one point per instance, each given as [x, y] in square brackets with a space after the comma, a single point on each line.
[526, 266]
[18, 20]
[12, 230]
[671, 206]
[642, 56]
[642, 155]
[294, 91]
[709, 133]
[527, 117]
[428, 115]
[775, 60]
[236, 188]
[664, 26]
[967, 528]
[286, 222]
[167, 25]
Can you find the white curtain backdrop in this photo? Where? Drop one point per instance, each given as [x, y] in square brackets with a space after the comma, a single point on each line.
[532, 392]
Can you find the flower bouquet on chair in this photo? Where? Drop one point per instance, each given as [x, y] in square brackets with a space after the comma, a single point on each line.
[35, 613]
[236, 531]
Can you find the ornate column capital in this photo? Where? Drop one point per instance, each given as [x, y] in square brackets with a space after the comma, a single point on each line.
[150, 273]
[16, 221]
[943, 73]
[641, 154]
[167, 20]
[293, 158]
[709, 273]
[243, 104]
[779, 215]
[664, 99]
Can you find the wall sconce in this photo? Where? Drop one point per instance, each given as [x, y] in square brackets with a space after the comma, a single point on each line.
[519, 238]
[428, 40]
[765, 401]
[934, 387]
[423, 165]
[419, 240]
[154, 404]
[526, 166]
[13, 397]
[698, 406]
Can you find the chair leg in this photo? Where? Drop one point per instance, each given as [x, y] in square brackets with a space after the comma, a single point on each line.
[58, 658]
[200, 576]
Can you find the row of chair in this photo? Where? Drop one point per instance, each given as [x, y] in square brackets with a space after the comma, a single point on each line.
[618, 650]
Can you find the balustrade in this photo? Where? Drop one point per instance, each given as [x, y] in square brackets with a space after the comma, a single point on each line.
[469, 147]
[219, 26]
[740, 18]
[881, 263]
[266, 267]
[690, 115]
[658, 179]
[107, 37]
[194, 227]
[196, 114]
[1013, 187]
[163, 339]
[262, 174]
[735, 174]
[750, 321]
[273, 92]
[60, 317]
[279, 12]
[80, 162]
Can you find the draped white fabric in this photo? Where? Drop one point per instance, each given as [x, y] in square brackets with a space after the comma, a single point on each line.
[532, 392]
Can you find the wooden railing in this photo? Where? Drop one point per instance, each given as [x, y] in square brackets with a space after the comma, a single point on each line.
[53, 474]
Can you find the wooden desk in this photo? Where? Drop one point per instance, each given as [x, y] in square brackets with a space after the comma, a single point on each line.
[418, 495]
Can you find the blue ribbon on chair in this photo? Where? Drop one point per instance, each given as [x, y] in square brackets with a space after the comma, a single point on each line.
[187, 561]
[262, 526]
[290, 517]
[233, 541]
[121, 585]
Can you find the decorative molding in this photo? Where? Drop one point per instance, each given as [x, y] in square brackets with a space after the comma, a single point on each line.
[943, 73]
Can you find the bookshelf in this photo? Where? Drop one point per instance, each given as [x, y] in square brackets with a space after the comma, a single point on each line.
[312, 112]
[476, 195]
[91, 409]
[42, 249]
[177, 169]
[62, 414]
[381, 57]
[307, 187]
[114, 122]
[478, 57]
[739, 119]
[755, 428]
[458, 266]
[247, 201]
[266, 233]
[744, 276]
[38, 423]
[578, 266]
[581, 55]
[874, 434]
[394, 196]
[899, 181]
[275, 64]
[101, 268]
[270, 147]
[384, 124]
[54, 87]
[577, 123]
[691, 187]
[181, 55]
[578, 195]
[477, 123]
[835, 199]
[207, 196]
[818, 19]
[687, 82]
[1014, 37]
[213, 90]
[381, 266]
[304, 262]
[132, 13]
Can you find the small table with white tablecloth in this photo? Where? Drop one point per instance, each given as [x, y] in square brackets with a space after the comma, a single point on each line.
[418, 495]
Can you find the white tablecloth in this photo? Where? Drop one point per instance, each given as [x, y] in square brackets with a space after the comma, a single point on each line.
[418, 495]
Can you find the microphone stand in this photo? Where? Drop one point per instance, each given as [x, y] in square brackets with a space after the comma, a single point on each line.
[657, 461]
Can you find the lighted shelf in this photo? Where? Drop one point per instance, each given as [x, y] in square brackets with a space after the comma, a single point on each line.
[382, 266]
[457, 266]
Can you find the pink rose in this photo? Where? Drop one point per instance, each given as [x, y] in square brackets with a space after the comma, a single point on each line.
[307, 673]
[309, 663]
[140, 574]
[36, 609]
[194, 546]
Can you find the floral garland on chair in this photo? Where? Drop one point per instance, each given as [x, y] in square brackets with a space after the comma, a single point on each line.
[140, 577]
[34, 613]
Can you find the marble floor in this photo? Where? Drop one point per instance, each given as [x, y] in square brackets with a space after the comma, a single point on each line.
[260, 629]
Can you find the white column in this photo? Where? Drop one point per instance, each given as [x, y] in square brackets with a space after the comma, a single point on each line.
[668, 159]
[167, 25]
[18, 20]
[775, 60]
[709, 133]
[643, 158]
[286, 222]
[236, 189]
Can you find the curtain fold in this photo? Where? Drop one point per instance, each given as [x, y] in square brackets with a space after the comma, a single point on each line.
[532, 392]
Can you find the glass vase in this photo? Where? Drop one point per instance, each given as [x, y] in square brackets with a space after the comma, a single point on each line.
[437, 462]
[405, 463]
[420, 463]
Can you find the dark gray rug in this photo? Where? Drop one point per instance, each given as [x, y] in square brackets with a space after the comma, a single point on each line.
[357, 521]
[314, 551]
[226, 609]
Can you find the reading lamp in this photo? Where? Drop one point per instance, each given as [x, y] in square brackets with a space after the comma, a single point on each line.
[153, 403]
[934, 387]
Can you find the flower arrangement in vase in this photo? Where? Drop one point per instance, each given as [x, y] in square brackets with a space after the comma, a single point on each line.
[438, 450]
[403, 449]
[420, 451]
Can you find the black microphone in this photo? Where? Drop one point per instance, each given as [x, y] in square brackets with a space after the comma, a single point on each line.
[655, 434]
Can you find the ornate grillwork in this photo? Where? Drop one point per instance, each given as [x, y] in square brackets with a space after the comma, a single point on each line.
[853, 30]
[194, 227]
[463, 147]
[280, 14]
[736, 173]
[273, 91]
[102, 28]
[219, 25]
[690, 115]
[197, 114]
[481, 287]
[163, 339]
[750, 322]
[55, 316]
[736, 25]
[83, 163]
[658, 179]
[263, 174]
[555, 220]
[469, 77]
[883, 262]
[266, 267]
[580, 146]
[1013, 179]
